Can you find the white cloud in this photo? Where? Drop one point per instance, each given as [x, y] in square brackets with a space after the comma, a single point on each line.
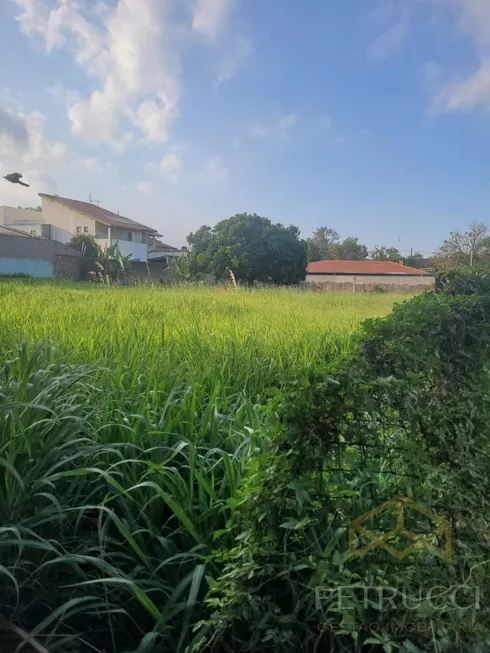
[155, 117]
[257, 131]
[132, 49]
[470, 90]
[25, 148]
[213, 171]
[278, 125]
[171, 167]
[63, 95]
[232, 57]
[390, 40]
[287, 121]
[146, 188]
[210, 17]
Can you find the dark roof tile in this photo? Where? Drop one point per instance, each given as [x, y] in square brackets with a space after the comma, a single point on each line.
[99, 213]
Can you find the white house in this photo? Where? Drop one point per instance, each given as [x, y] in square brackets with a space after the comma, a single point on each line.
[161, 251]
[61, 218]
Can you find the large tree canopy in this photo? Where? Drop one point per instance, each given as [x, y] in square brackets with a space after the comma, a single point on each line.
[251, 247]
[325, 244]
[385, 254]
[349, 249]
[321, 242]
[469, 248]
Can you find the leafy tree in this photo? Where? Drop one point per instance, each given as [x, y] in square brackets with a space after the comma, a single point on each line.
[112, 265]
[349, 249]
[86, 244]
[417, 260]
[320, 244]
[469, 248]
[385, 254]
[252, 247]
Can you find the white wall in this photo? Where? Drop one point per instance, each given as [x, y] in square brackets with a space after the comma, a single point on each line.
[31, 228]
[12, 216]
[395, 279]
[159, 253]
[138, 251]
[65, 221]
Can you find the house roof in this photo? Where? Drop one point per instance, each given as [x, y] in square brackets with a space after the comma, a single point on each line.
[159, 246]
[99, 213]
[363, 267]
[11, 231]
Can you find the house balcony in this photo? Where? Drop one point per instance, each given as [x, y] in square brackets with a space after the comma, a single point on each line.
[138, 251]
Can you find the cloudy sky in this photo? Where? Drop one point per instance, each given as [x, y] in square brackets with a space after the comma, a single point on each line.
[369, 116]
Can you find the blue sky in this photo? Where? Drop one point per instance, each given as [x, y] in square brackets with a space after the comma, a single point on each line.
[368, 116]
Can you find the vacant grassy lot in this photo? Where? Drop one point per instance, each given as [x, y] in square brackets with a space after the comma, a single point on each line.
[126, 421]
[245, 338]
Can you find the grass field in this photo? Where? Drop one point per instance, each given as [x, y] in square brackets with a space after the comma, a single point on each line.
[245, 338]
[127, 418]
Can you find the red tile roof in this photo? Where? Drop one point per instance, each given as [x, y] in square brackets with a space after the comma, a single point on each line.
[99, 213]
[162, 246]
[362, 267]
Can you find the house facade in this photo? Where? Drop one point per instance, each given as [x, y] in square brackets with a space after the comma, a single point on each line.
[162, 252]
[367, 275]
[62, 218]
[69, 217]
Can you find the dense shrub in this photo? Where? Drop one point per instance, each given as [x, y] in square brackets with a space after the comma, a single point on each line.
[148, 507]
[406, 412]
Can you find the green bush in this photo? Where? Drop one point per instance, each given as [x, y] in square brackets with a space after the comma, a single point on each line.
[406, 412]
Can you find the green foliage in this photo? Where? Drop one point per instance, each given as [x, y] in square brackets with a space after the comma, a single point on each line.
[471, 248]
[349, 249]
[123, 445]
[86, 244]
[251, 247]
[113, 266]
[465, 281]
[385, 254]
[186, 443]
[321, 242]
[325, 244]
[405, 412]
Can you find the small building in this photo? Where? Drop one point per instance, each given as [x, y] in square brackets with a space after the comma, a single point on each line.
[62, 218]
[367, 276]
[161, 251]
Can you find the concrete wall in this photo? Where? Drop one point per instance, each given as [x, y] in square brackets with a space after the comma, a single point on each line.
[38, 257]
[369, 282]
[158, 271]
[24, 255]
[65, 221]
[138, 251]
[12, 216]
[68, 267]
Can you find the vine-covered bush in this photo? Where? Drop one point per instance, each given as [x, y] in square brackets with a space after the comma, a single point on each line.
[404, 413]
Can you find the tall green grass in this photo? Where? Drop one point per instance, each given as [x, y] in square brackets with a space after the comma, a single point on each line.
[127, 418]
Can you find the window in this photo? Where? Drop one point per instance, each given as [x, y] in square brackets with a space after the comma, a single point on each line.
[79, 230]
[33, 232]
[130, 236]
[85, 230]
